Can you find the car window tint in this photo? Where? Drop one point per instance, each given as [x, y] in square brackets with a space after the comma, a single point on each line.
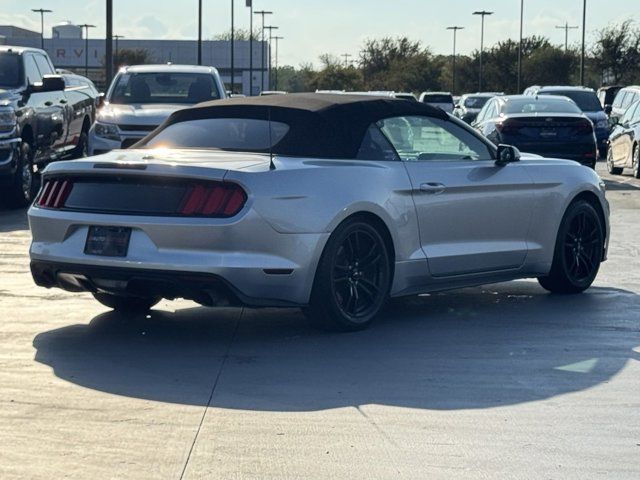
[426, 138]
[164, 87]
[375, 146]
[10, 70]
[636, 114]
[43, 65]
[31, 70]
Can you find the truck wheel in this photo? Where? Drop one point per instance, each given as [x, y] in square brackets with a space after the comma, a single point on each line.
[82, 149]
[24, 187]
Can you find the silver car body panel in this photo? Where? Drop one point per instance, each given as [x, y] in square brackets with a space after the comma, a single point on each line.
[487, 224]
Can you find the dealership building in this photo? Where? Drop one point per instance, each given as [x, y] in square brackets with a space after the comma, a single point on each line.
[68, 50]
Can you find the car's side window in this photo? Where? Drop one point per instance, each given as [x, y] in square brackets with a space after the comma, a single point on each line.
[483, 113]
[418, 138]
[43, 65]
[31, 70]
[375, 146]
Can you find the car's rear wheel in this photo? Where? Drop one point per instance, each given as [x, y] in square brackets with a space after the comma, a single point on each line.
[352, 280]
[636, 161]
[82, 149]
[578, 250]
[125, 303]
[613, 170]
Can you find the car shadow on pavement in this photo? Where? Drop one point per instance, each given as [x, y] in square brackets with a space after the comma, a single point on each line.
[13, 220]
[473, 348]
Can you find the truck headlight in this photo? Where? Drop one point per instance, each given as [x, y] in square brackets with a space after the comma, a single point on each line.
[108, 131]
[7, 119]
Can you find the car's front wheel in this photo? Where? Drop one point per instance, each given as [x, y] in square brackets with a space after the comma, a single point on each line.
[578, 250]
[125, 303]
[25, 181]
[353, 278]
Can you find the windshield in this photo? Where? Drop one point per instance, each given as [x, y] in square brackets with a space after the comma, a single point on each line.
[476, 102]
[438, 99]
[539, 104]
[586, 101]
[237, 134]
[10, 70]
[164, 87]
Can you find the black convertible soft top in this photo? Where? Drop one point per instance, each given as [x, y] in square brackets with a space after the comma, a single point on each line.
[321, 125]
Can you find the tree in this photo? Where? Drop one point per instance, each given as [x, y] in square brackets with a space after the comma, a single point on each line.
[335, 76]
[616, 52]
[126, 56]
[239, 34]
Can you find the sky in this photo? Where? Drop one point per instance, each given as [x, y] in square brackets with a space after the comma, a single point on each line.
[313, 27]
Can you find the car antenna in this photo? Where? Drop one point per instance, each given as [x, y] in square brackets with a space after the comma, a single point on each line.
[272, 166]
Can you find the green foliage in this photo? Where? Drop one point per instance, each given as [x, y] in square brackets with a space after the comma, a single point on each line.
[126, 56]
[616, 52]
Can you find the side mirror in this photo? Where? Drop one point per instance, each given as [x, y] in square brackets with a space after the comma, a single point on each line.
[100, 100]
[52, 83]
[507, 154]
[607, 109]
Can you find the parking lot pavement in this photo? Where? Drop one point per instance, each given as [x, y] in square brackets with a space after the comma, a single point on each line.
[500, 381]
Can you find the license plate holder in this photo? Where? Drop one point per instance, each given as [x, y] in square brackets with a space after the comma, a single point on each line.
[107, 241]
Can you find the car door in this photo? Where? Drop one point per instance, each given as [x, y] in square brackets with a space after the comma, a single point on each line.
[57, 105]
[473, 215]
[621, 138]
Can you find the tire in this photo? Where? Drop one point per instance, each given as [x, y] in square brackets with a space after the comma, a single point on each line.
[82, 149]
[352, 279]
[610, 167]
[25, 183]
[636, 161]
[122, 303]
[578, 250]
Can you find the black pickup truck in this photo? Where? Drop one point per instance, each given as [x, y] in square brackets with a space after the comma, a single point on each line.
[43, 117]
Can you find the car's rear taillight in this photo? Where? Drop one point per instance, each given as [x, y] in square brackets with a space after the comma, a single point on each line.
[213, 200]
[54, 193]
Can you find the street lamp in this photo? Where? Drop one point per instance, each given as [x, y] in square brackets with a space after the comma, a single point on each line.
[86, 27]
[482, 13]
[453, 75]
[584, 26]
[41, 11]
[566, 27]
[250, 5]
[233, 63]
[271, 29]
[199, 32]
[520, 48]
[262, 13]
[276, 79]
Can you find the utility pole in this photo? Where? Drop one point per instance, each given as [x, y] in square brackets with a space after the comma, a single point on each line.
[86, 27]
[276, 76]
[346, 56]
[233, 62]
[41, 11]
[271, 29]
[249, 4]
[117, 37]
[108, 54]
[584, 26]
[519, 82]
[566, 27]
[199, 32]
[262, 13]
[482, 13]
[453, 74]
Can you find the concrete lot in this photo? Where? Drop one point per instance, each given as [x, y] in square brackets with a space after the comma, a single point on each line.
[501, 381]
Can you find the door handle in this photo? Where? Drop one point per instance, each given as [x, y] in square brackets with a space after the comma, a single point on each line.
[432, 188]
[48, 103]
[63, 101]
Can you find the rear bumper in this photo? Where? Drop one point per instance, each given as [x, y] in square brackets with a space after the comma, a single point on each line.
[586, 155]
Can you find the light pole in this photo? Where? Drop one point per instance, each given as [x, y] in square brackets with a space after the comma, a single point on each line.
[482, 13]
[519, 82]
[262, 13]
[566, 27]
[276, 79]
[117, 37]
[41, 11]
[584, 25]
[199, 32]
[453, 74]
[271, 29]
[108, 50]
[233, 62]
[250, 5]
[86, 27]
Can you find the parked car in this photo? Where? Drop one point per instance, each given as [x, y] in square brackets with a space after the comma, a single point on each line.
[606, 96]
[588, 102]
[266, 93]
[41, 120]
[405, 96]
[624, 149]
[547, 125]
[332, 203]
[141, 97]
[624, 99]
[470, 104]
[442, 100]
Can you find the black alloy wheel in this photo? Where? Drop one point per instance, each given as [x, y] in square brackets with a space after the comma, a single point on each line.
[353, 278]
[578, 251]
[24, 188]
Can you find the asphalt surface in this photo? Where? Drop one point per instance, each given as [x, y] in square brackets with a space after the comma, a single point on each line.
[501, 381]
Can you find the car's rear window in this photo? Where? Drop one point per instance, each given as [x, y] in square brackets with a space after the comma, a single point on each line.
[540, 105]
[438, 99]
[475, 102]
[586, 101]
[10, 70]
[164, 87]
[236, 134]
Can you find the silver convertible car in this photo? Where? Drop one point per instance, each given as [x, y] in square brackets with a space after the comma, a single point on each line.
[332, 203]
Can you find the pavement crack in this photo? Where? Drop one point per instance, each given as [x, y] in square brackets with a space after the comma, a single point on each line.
[213, 389]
